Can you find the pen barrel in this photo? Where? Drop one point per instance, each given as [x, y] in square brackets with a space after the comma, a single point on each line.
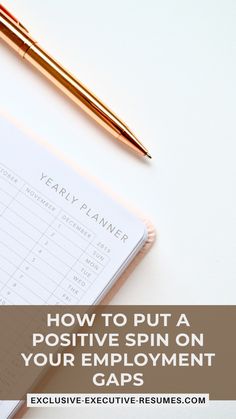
[73, 88]
[15, 35]
[81, 95]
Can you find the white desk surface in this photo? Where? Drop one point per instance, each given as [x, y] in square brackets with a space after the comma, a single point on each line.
[168, 68]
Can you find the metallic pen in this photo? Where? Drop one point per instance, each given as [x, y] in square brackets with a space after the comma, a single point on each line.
[18, 37]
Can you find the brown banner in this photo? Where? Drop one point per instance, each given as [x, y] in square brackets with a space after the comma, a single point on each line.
[118, 349]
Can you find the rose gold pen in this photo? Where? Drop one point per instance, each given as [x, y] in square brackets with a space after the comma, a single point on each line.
[17, 36]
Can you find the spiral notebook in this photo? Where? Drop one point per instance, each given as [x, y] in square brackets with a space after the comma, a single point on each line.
[63, 238]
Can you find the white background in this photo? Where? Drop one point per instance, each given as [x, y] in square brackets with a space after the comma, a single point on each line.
[168, 68]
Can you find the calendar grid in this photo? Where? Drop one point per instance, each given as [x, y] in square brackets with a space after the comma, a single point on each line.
[49, 260]
[30, 251]
[38, 215]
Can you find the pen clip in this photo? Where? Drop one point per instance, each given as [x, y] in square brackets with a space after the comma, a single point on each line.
[6, 12]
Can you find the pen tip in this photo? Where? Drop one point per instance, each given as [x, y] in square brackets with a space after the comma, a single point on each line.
[149, 155]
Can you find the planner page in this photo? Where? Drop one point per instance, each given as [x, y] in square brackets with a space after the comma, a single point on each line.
[63, 240]
[7, 409]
